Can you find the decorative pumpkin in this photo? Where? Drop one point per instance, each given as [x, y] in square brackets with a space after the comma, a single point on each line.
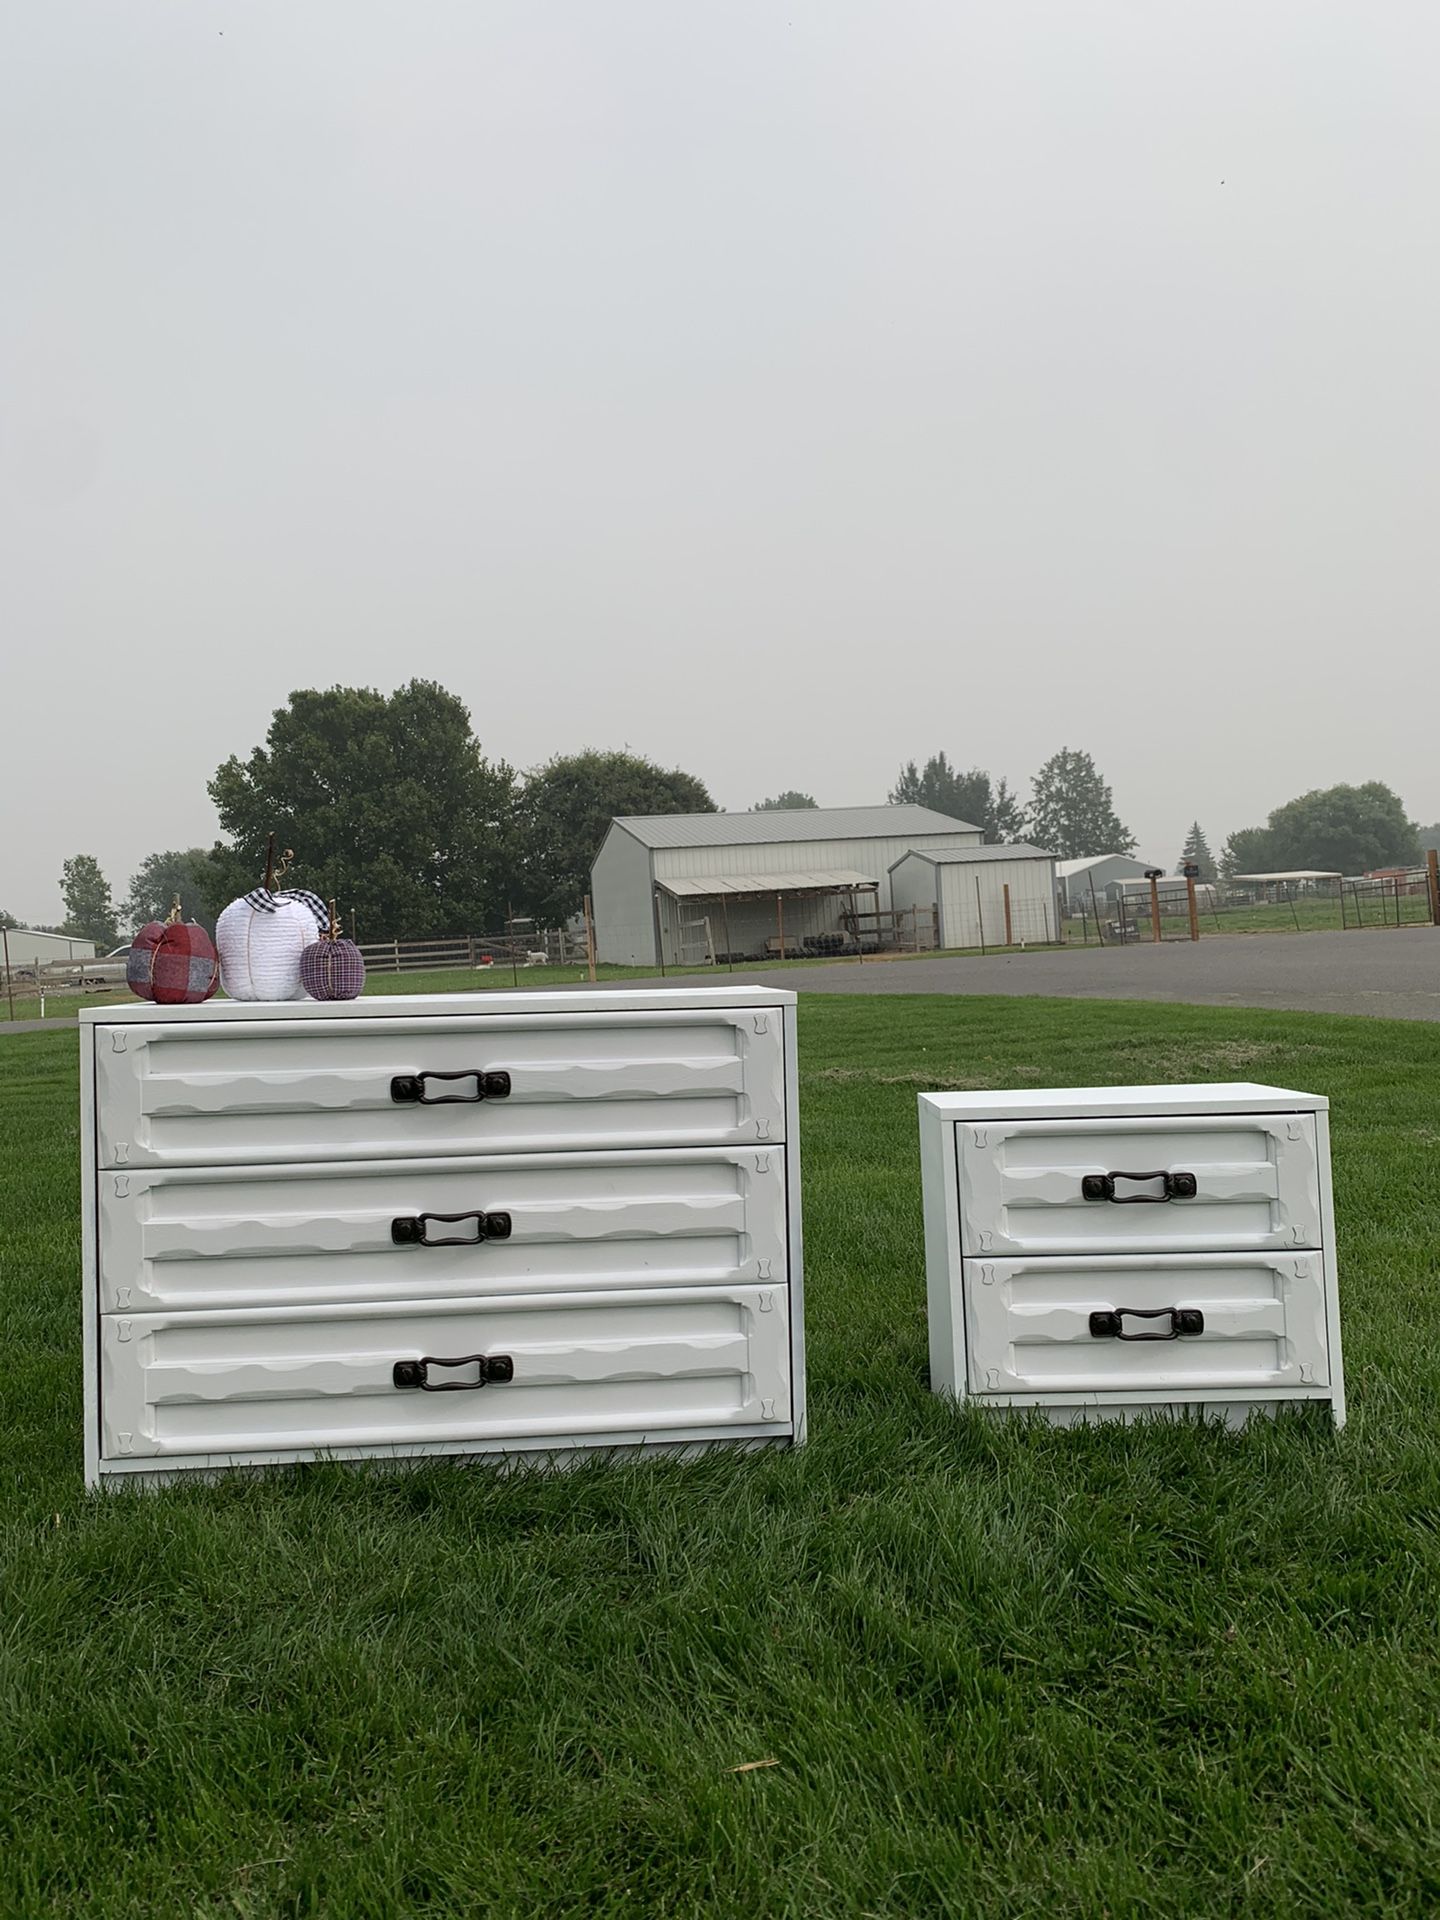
[262, 935]
[172, 962]
[332, 968]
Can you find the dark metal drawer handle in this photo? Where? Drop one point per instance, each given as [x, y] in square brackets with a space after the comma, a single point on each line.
[493, 1370]
[410, 1088]
[1101, 1186]
[412, 1229]
[1110, 1325]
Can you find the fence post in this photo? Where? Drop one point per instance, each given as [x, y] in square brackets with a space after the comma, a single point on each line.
[1095, 909]
[780, 921]
[1432, 871]
[1193, 905]
[1154, 907]
[659, 932]
[589, 940]
[1009, 928]
[10, 978]
[397, 956]
[980, 913]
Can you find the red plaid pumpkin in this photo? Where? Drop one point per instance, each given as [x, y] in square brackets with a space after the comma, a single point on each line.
[172, 962]
[331, 967]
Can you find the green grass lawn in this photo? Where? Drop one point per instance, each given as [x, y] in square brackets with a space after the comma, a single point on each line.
[1000, 1669]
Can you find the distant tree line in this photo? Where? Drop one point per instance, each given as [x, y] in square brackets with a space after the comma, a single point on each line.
[394, 810]
[1332, 830]
[1071, 812]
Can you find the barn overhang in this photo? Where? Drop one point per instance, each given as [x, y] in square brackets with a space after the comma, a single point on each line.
[715, 886]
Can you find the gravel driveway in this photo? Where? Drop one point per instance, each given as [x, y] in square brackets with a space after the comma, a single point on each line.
[1394, 972]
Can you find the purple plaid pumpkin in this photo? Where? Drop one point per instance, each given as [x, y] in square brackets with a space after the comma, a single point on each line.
[331, 968]
[173, 963]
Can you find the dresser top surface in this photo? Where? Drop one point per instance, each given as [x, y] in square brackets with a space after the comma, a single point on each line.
[1073, 1103]
[410, 1006]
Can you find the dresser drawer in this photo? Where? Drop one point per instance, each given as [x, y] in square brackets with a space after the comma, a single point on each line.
[582, 1370]
[1032, 1326]
[186, 1238]
[314, 1090]
[1235, 1182]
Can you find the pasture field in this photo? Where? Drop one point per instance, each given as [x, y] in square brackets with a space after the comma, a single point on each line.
[990, 1668]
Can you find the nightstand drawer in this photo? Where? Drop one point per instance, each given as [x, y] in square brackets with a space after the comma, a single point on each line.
[1161, 1322]
[235, 1092]
[1207, 1182]
[190, 1238]
[214, 1387]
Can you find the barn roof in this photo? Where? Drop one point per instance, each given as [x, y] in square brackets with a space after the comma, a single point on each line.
[787, 823]
[967, 856]
[1067, 867]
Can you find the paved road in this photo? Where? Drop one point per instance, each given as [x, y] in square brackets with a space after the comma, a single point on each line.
[1391, 972]
[1394, 973]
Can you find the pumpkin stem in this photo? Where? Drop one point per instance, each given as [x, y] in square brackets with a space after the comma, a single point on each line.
[270, 864]
[285, 859]
[172, 919]
[334, 933]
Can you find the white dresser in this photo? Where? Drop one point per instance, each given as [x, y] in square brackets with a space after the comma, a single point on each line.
[439, 1224]
[1094, 1251]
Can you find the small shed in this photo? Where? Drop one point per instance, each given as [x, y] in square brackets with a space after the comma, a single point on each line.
[980, 896]
[1101, 871]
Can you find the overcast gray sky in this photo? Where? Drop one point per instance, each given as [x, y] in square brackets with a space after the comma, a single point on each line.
[781, 390]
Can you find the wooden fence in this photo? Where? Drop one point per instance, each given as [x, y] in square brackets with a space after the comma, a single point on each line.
[553, 947]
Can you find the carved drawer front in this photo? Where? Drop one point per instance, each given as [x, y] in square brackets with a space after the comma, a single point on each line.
[1210, 1182]
[234, 1092]
[194, 1238]
[572, 1369]
[1152, 1322]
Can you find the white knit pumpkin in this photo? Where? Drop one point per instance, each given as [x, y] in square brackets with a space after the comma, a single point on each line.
[260, 950]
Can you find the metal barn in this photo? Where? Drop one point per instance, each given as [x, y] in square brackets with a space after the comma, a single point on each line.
[692, 888]
[1102, 871]
[980, 896]
[28, 947]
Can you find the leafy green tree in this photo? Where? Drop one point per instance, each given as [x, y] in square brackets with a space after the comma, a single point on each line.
[1246, 851]
[7, 919]
[1072, 810]
[1007, 820]
[388, 803]
[960, 796]
[1197, 849]
[785, 802]
[89, 910]
[567, 807]
[1428, 836]
[1340, 829]
[160, 878]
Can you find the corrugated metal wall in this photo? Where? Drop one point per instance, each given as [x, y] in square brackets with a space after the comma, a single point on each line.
[968, 921]
[621, 900]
